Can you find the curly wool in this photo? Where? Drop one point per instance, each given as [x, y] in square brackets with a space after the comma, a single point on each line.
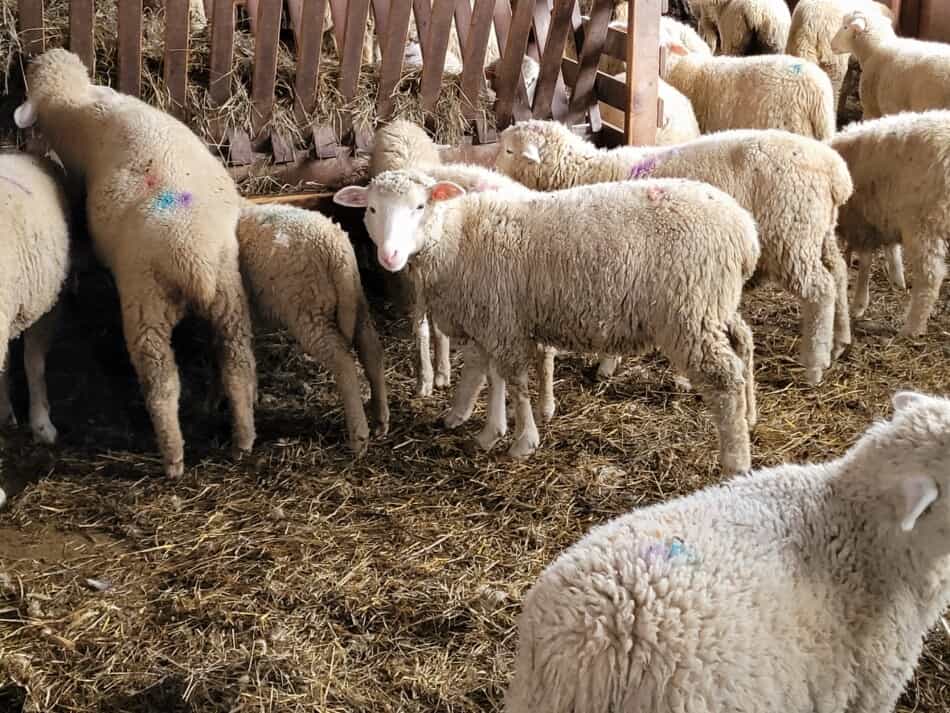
[744, 27]
[790, 589]
[792, 185]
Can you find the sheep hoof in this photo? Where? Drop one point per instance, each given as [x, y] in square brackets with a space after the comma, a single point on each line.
[682, 384]
[840, 349]
[8, 419]
[813, 375]
[607, 368]
[524, 446]
[487, 438]
[175, 470]
[908, 331]
[424, 389]
[359, 445]
[547, 412]
[442, 380]
[858, 310]
[381, 429]
[454, 420]
[3, 498]
[44, 432]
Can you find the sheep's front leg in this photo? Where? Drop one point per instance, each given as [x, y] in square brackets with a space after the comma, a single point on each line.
[496, 423]
[471, 380]
[526, 431]
[371, 356]
[424, 378]
[443, 364]
[862, 285]
[895, 266]
[37, 340]
[928, 265]
[548, 406]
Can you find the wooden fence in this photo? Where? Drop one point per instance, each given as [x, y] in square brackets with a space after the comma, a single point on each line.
[566, 90]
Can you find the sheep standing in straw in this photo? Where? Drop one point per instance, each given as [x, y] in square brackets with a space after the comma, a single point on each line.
[162, 212]
[744, 27]
[796, 589]
[655, 262]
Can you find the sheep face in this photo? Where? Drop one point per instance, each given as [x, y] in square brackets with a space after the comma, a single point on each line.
[519, 155]
[854, 24]
[397, 204]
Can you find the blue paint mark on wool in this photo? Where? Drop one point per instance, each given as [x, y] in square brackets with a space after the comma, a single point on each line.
[795, 69]
[166, 200]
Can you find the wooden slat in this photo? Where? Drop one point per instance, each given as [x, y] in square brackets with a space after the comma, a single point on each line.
[253, 13]
[551, 54]
[509, 68]
[338, 10]
[393, 52]
[130, 46]
[473, 60]
[502, 21]
[358, 11]
[30, 26]
[265, 63]
[439, 27]
[222, 50]
[643, 59]
[176, 54]
[577, 34]
[209, 9]
[596, 34]
[381, 11]
[81, 27]
[609, 90]
[309, 41]
[463, 20]
[295, 12]
[422, 10]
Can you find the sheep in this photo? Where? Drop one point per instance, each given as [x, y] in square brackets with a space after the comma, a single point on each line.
[490, 272]
[301, 272]
[35, 258]
[162, 212]
[797, 588]
[765, 92]
[897, 74]
[814, 24]
[744, 27]
[679, 120]
[792, 185]
[900, 165]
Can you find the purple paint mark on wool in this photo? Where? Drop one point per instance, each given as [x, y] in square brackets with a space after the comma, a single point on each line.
[185, 199]
[17, 184]
[644, 168]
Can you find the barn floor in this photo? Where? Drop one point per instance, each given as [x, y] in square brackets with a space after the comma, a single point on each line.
[299, 578]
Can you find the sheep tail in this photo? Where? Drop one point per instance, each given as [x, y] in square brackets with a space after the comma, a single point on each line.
[823, 116]
[842, 186]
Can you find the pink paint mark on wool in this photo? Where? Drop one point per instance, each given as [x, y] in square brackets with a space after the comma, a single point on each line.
[150, 180]
[654, 193]
[16, 183]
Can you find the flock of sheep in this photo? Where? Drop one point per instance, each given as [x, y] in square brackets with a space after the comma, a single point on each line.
[570, 247]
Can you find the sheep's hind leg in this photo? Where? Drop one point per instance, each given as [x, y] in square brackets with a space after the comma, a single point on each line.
[471, 380]
[547, 406]
[148, 318]
[424, 376]
[229, 315]
[7, 417]
[928, 268]
[526, 430]
[817, 323]
[371, 356]
[37, 340]
[835, 264]
[496, 422]
[443, 354]
[862, 287]
[895, 266]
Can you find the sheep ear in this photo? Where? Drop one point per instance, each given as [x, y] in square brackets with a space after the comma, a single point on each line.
[677, 49]
[905, 399]
[858, 23]
[532, 153]
[445, 190]
[25, 115]
[920, 492]
[351, 196]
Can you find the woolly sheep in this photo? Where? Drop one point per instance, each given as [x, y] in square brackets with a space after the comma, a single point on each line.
[798, 588]
[764, 92]
[897, 74]
[162, 213]
[35, 258]
[901, 170]
[814, 24]
[744, 27]
[301, 273]
[679, 120]
[792, 185]
[490, 272]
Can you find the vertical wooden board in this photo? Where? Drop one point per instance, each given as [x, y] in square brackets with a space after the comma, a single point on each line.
[473, 59]
[309, 42]
[130, 46]
[81, 26]
[551, 56]
[502, 22]
[209, 10]
[358, 11]
[338, 10]
[643, 66]
[222, 50]
[423, 13]
[934, 24]
[440, 25]
[253, 14]
[30, 26]
[583, 95]
[381, 10]
[176, 53]
[509, 68]
[294, 11]
[463, 19]
[393, 53]
[265, 63]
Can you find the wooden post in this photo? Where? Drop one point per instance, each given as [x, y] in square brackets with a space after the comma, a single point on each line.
[177, 21]
[31, 26]
[643, 67]
[81, 27]
[130, 46]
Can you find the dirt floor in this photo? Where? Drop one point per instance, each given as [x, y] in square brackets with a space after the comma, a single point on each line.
[299, 578]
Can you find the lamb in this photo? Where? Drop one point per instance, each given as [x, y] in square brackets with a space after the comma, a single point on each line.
[815, 23]
[489, 271]
[764, 92]
[35, 256]
[679, 120]
[897, 74]
[900, 165]
[797, 588]
[744, 27]
[162, 213]
[793, 186]
[301, 273]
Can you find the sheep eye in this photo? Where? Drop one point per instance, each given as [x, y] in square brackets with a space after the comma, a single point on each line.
[420, 206]
[508, 151]
[372, 210]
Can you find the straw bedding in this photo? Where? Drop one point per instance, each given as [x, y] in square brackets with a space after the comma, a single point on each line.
[298, 580]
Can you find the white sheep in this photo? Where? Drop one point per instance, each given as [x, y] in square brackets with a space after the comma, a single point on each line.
[763, 92]
[679, 119]
[814, 25]
[301, 273]
[798, 588]
[162, 213]
[744, 27]
[35, 257]
[897, 73]
[900, 166]
[490, 271]
[793, 186]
